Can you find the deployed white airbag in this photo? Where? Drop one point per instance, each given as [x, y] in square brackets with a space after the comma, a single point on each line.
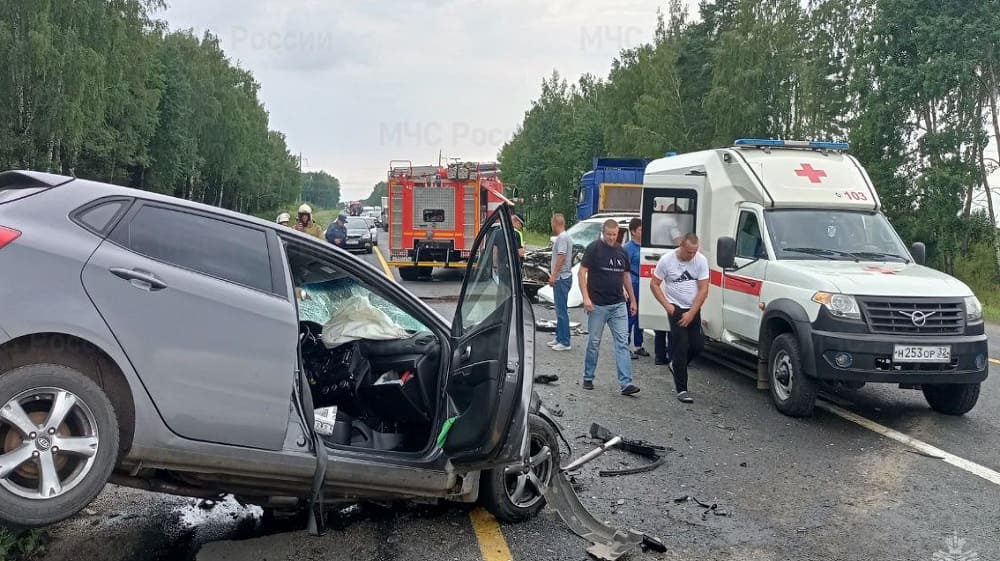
[356, 318]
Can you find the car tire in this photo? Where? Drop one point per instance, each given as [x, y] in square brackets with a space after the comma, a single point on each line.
[792, 391]
[951, 399]
[531, 291]
[81, 476]
[496, 488]
[409, 273]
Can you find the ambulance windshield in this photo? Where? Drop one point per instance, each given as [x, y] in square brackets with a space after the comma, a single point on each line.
[834, 234]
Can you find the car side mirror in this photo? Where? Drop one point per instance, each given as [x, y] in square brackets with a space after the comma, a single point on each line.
[919, 252]
[725, 253]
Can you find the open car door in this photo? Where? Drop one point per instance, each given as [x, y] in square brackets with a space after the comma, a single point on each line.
[486, 395]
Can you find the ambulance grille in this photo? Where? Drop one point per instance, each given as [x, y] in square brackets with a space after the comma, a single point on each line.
[895, 316]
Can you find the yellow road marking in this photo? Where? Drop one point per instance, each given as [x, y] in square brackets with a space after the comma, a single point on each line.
[919, 445]
[491, 541]
[385, 266]
[994, 361]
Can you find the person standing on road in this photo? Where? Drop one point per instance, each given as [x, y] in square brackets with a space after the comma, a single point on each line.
[605, 284]
[680, 285]
[306, 224]
[519, 230]
[336, 233]
[632, 247]
[561, 280]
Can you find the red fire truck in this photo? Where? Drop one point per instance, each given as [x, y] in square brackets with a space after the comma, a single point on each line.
[434, 213]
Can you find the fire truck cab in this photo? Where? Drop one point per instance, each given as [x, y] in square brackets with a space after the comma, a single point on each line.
[434, 213]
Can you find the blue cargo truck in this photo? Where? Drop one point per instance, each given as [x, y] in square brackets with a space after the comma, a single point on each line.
[614, 185]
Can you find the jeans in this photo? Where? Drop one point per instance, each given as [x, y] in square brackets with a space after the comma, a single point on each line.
[688, 343]
[635, 332]
[615, 315]
[561, 292]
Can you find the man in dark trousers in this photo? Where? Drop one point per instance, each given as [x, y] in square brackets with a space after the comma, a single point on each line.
[604, 283]
[680, 285]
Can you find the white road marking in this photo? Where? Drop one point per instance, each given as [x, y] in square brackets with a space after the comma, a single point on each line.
[919, 445]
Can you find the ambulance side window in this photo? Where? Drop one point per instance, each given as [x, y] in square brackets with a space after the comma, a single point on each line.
[670, 214]
[749, 242]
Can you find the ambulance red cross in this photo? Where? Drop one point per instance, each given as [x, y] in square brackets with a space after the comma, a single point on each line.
[810, 283]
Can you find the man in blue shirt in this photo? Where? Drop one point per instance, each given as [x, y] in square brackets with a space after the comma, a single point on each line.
[337, 232]
[632, 250]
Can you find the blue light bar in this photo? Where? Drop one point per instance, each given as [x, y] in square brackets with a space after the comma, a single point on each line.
[814, 144]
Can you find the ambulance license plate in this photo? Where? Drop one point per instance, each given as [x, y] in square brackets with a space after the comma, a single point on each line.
[918, 353]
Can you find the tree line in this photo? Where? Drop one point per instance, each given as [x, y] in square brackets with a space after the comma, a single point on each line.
[100, 89]
[913, 85]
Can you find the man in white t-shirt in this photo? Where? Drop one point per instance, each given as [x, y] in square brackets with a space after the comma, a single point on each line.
[680, 285]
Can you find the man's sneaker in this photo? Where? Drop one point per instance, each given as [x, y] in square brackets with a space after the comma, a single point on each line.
[630, 389]
[588, 384]
[683, 397]
[635, 356]
[552, 343]
[641, 352]
[560, 347]
[660, 361]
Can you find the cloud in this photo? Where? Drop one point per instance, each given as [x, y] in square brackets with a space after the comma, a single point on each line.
[356, 84]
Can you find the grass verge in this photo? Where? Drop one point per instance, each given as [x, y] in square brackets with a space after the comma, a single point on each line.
[537, 239]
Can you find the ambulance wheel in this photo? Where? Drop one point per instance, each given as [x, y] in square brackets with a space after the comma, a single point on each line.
[409, 273]
[951, 399]
[510, 495]
[793, 393]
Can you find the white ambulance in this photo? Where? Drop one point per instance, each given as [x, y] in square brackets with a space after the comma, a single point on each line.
[808, 278]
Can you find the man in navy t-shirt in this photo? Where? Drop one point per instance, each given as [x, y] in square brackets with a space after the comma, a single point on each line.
[604, 283]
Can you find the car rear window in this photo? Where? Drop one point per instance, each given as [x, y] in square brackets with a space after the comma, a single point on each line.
[16, 185]
[217, 248]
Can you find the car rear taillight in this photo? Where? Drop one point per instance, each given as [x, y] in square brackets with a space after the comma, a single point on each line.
[7, 235]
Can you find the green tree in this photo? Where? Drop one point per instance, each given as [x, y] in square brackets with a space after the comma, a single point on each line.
[380, 190]
[321, 188]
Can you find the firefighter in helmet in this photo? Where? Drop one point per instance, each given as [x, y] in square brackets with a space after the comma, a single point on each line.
[306, 223]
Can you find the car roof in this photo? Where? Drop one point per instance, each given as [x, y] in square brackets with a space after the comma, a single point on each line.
[103, 189]
[619, 217]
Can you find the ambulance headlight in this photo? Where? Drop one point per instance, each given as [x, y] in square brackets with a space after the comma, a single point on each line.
[839, 305]
[973, 309]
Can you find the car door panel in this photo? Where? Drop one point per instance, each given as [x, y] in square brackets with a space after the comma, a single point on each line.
[487, 375]
[216, 358]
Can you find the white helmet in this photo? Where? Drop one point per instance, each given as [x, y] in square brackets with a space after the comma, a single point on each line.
[305, 209]
[283, 217]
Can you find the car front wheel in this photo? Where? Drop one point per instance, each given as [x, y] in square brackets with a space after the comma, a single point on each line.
[59, 435]
[508, 493]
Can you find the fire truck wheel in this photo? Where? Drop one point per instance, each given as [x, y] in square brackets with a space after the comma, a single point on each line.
[409, 273]
[425, 272]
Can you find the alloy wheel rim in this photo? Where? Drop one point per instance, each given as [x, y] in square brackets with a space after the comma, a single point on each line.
[49, 440]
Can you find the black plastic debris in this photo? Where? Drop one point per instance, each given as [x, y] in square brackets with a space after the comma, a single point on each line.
[709, 508]
[637, 447]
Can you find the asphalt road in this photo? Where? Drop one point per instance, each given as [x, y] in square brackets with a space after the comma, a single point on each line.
[818, 488]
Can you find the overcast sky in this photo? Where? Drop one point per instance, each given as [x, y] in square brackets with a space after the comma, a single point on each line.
[356, 84]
